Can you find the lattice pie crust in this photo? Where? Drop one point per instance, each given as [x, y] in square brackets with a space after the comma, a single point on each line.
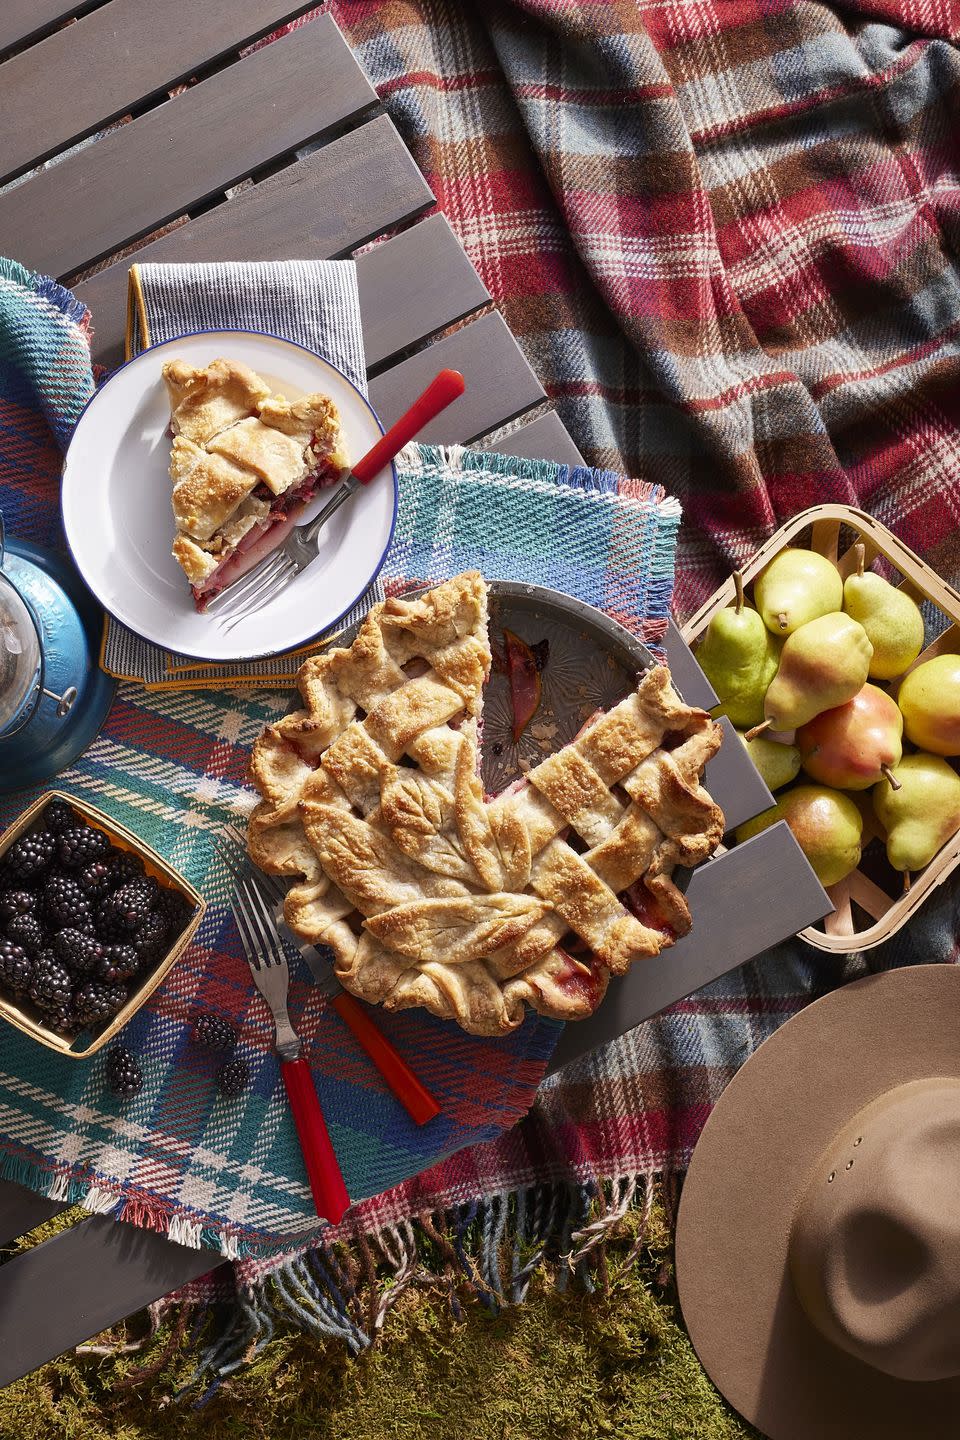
[428, 893]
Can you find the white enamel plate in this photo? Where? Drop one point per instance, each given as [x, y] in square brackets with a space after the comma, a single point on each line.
[119, 524]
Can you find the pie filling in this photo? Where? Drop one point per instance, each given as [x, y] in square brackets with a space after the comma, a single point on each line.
[266, 534]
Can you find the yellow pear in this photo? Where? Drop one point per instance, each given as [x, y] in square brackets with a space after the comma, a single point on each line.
[822, 664]
[826, 824]
[929, 700]
[796, 587]
[922, 813]
[892, 621]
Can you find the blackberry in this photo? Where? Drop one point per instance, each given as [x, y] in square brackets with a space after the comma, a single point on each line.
[176, 910]
[27, 932]
[124, 866]
[93, 1001]
[81, 844]
[123, 912]
[124, 1076]
[50, 986]
[16, 967]
[80, 953]
[95, 879]
[213, 1031]
[150, 941]
[16, 902]
[58, 817]
[233, 1078]
[29, 857]
[117, 963]
[64, 903]
[63, 1020]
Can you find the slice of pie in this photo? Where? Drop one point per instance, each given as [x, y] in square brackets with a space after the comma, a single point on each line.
[430, 893]
[244, 465]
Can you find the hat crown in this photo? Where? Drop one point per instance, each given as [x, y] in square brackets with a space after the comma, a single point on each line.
[874, 1249]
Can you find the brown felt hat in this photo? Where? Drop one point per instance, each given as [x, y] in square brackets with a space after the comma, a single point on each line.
[818, 1240]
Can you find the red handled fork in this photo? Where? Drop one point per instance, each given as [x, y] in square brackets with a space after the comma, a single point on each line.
[402, 1082]
[271, 973]
[300, 549]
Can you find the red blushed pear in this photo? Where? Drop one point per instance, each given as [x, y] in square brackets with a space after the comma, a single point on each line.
[854, 745]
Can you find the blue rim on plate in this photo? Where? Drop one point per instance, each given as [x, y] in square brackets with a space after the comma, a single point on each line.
[327, 626]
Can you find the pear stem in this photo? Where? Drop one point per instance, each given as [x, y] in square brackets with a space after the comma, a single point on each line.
[758, 730]
[860, 551]
[782, 619]
[738, 587]
[889, 776]
[906, 882]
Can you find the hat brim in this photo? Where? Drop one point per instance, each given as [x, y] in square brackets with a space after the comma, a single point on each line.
[747, 1173]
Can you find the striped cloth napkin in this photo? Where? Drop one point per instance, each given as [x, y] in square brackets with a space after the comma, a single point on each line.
[311, 302]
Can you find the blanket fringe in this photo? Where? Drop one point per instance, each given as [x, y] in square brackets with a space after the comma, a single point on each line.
[489, 1250]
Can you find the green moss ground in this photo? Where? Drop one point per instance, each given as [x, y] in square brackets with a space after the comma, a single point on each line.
[560, 1367]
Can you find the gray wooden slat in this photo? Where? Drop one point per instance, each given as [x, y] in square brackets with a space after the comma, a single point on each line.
[731, 925]
[414, 285]
[21, 1211]
[124, 53]
[135, 178]
[734, 781]
[500, 383]
[546, 438]
[369, 170]
[688, 677]
[21, 19]
[81, 1281]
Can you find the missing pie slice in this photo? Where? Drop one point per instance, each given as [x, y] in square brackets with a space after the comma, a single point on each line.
[431, 893]
[244, 465]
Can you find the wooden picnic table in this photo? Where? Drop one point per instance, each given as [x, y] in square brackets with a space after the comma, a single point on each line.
[284, 151]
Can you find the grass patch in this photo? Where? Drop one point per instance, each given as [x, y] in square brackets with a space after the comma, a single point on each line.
[560, 1367]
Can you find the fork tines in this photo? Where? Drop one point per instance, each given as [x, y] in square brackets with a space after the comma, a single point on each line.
[258, 930]
[231, 847]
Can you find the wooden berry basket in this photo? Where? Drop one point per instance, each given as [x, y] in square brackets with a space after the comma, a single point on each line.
[26, 1017]
[867, 910]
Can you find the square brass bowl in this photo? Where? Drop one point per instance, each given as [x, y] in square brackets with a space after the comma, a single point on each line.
[26, 1017]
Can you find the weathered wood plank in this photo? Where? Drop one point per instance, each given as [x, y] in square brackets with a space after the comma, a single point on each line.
[76, 1284]
[726, 933]
[21, 19]
[369, 170]
[21, 1211]
[413, 286]
[122, 54]
[689, 678]
[734, 781]
[546, 438]
[194, 146]
[500, 383]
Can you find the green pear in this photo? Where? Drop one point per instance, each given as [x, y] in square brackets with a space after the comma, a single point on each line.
[923, 814]
[892, 621]
[823, 663]
[739, 657]
[929, 700]
[795, 588]
[778, 764]
[826, 824]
